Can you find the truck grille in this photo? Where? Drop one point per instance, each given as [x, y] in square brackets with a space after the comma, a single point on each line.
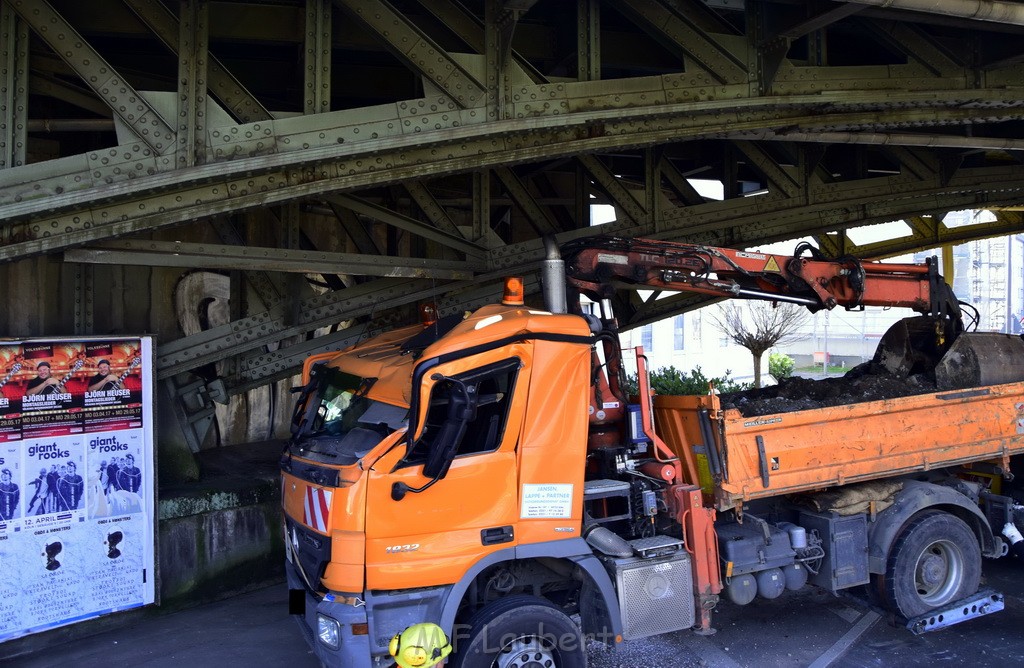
[310, 551]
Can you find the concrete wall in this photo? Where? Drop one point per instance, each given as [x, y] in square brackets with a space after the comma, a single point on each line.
[218, 542]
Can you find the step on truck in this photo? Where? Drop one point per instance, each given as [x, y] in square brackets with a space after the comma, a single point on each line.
[487, 471]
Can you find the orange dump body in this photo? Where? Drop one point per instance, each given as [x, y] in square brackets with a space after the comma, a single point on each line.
[785, 453]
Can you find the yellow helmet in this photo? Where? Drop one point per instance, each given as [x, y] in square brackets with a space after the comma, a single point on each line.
[420, 646]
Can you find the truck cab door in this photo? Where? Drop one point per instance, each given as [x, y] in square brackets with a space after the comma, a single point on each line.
[429, 534]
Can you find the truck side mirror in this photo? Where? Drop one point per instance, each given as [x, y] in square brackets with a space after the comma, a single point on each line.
[462, 404]
[461, 411]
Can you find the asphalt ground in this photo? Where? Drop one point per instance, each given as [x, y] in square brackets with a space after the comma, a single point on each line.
[803, 628]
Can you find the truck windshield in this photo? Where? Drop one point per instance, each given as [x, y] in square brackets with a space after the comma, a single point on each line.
[340, 424]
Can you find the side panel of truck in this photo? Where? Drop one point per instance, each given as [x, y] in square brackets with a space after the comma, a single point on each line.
[784, 453]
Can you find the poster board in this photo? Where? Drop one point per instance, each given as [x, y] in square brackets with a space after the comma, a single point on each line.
[77, 480]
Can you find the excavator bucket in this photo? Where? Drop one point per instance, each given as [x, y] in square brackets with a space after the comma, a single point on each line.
[911, 346]
[981, 358]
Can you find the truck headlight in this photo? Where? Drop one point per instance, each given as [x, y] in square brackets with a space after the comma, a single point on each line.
[329, 631]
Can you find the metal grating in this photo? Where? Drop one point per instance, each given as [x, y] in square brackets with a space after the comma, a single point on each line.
[655, 595]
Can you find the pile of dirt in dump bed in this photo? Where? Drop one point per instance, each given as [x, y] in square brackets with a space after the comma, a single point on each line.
[867, 382]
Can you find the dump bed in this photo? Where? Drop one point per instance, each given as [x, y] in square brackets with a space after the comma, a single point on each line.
[784, 453]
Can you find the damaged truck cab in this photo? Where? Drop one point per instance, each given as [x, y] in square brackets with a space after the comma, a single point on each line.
[487, 472]
[429, 465]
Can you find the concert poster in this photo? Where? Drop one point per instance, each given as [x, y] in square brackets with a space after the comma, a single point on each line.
[52, 373]
[77, 481]
[11, 365]
[113, 391]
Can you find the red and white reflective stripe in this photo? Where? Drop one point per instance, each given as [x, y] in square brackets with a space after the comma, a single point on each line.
[316, 510]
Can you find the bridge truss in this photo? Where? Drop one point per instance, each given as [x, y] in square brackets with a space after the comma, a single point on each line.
[340, 162]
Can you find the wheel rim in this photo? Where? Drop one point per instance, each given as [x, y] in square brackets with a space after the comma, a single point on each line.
[938, 573]
[526, 652]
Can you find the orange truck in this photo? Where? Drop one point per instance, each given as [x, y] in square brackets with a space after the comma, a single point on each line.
[486, 471]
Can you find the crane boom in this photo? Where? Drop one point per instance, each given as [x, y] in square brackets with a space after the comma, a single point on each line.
[597, 265]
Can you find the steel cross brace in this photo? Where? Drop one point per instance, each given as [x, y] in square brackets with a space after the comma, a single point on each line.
[123, 100]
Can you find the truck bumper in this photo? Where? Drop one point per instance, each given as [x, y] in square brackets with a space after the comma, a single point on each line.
[353, 651]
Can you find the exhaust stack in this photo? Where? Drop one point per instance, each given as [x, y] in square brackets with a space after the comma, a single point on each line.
[553, 277]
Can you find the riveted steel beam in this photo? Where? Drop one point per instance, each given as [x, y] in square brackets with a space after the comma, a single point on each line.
[481, 205]
[588, 40]
[893, 138]
[821, 206]
[427, 130]
[85, 299]
[363, 240]
[42, 84]
[539, 218]
[916, 44]
[652, 185]
[14, 88]
[381, 214]
[818, 20]
[317, 54]
[434, 212]
[913, 160]
[127, 105]
[193, 29]
[269, 290]
[470, 29]
[417, 50]
[260, 367]
[762, 162]
[180, 254]
[932, 233]
[223, 85]
[619, 195]
[79, 217]
[270, 326]
[678, 34]
[682, 188]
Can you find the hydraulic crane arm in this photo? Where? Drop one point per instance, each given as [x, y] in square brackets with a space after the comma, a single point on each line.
[596, 265]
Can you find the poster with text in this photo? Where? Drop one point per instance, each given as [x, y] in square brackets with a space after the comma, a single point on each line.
[11, 503]
[12, 364]
[77, 481]
[113, 387]
[62, 458]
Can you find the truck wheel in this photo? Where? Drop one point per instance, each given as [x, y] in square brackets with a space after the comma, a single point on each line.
[520, 632]
[935, 560]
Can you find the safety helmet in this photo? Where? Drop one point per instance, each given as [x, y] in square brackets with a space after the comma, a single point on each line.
[420, 646]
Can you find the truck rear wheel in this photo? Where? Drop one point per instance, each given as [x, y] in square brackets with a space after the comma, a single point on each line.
[520, 632]
[935, 561]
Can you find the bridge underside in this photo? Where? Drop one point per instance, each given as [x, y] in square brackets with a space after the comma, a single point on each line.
[254, 182]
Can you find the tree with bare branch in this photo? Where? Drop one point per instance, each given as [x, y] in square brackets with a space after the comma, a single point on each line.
[758, 326]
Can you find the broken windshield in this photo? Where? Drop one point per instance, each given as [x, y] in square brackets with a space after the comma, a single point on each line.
[341, 423]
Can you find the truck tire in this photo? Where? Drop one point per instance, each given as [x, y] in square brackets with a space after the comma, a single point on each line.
[519, 631]
[934, 561]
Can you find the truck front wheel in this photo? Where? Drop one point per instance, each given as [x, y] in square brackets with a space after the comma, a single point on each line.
[935, 561]
[519, 632]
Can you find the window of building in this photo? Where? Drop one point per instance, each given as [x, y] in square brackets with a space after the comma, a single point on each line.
[647, 337]
[678, 332]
